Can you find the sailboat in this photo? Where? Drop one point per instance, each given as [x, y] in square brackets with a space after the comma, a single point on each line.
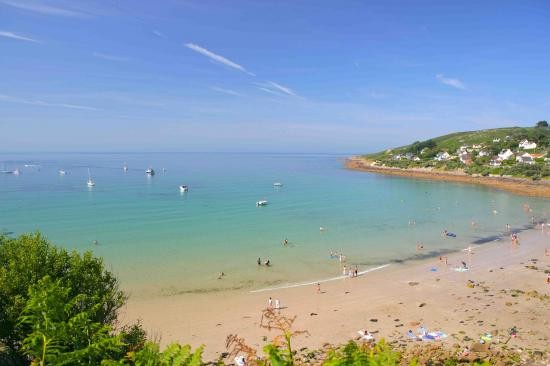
[125, 168]
[90, 182]
[150, 172]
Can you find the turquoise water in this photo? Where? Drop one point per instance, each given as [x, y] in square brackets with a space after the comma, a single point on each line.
[160, 241]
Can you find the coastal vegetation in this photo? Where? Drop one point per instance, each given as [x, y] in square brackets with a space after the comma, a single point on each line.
[60, 308]
[516, 151]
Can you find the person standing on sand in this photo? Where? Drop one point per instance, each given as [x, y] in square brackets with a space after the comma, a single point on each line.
[277, 304]
[318, 288]
[270, 303]
[548, 278]
[344, 270]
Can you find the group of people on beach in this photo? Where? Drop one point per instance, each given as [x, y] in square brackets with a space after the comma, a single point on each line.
[350, 272]
[270, 304]
[267, 263]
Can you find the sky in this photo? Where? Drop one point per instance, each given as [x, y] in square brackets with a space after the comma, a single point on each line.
[266, 76]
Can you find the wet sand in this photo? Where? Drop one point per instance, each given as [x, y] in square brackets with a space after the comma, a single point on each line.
[509, 289]
[526, 187]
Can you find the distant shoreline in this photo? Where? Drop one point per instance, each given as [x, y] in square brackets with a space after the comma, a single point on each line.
[520, 186]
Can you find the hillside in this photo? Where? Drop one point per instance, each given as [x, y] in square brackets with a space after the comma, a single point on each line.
[511, 151]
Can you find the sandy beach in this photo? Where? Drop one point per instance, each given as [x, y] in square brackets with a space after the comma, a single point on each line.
[508, 288]
[526, 187]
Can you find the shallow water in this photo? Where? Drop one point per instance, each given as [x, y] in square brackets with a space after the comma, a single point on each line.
[160, 241]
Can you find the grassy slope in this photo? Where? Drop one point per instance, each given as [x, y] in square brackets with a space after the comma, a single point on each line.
[452, 141]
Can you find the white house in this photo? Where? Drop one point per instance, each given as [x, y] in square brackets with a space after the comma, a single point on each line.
[496, 140]
[525, 159]
[477, 146]
[416, 158]
[442, 156]
[495, 162]
[482, 153]
[505, 154]
[526, 145]
[465, 158]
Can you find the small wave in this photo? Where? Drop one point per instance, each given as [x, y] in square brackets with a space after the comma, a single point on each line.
[319, 281]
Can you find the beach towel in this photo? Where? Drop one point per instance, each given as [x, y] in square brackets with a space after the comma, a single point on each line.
[433, 336]
[461, 269]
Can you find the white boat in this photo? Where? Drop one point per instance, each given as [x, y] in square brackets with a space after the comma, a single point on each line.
[277, 184]
[183, 188]
[261, 203]
[16, 172]
[150, 172]
[62, 172]
[125, 167]
[90, 182]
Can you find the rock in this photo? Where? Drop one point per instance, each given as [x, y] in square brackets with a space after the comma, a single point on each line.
[422, 305]
[374, 320]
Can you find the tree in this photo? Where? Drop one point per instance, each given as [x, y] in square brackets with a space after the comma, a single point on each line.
[27, 259]
[542, 124]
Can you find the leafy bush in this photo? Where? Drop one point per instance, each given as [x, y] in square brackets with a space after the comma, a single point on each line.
[61, 333]
[25, 260]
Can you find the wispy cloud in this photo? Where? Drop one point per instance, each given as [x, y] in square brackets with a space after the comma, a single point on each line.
[158, 33]
[268, 90]
[39, 7]
[226, 91]
[217, 58]
[109, 57]
[11, 99]
[455, 83]
[17, 36]
[276, 88]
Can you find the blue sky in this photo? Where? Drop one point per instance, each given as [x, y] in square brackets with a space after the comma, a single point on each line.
[289, 76]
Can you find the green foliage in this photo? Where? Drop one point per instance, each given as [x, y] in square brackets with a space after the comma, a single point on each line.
[542, 124]
[418, 146]
[61, 333]
[27, 259]
[150, 355]
[353, 354]
[133, 336]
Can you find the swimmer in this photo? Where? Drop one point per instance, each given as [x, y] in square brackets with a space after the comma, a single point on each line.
[321, 228]
[259, 261]
[285, 242]
[95, 242]
[221, 275]
[419, 246]
[267, 263]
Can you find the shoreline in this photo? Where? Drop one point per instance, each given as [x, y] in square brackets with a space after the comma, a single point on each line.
[385, 301]
[520, 186]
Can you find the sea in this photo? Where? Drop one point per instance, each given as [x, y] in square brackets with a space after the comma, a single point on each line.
[162, 242]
